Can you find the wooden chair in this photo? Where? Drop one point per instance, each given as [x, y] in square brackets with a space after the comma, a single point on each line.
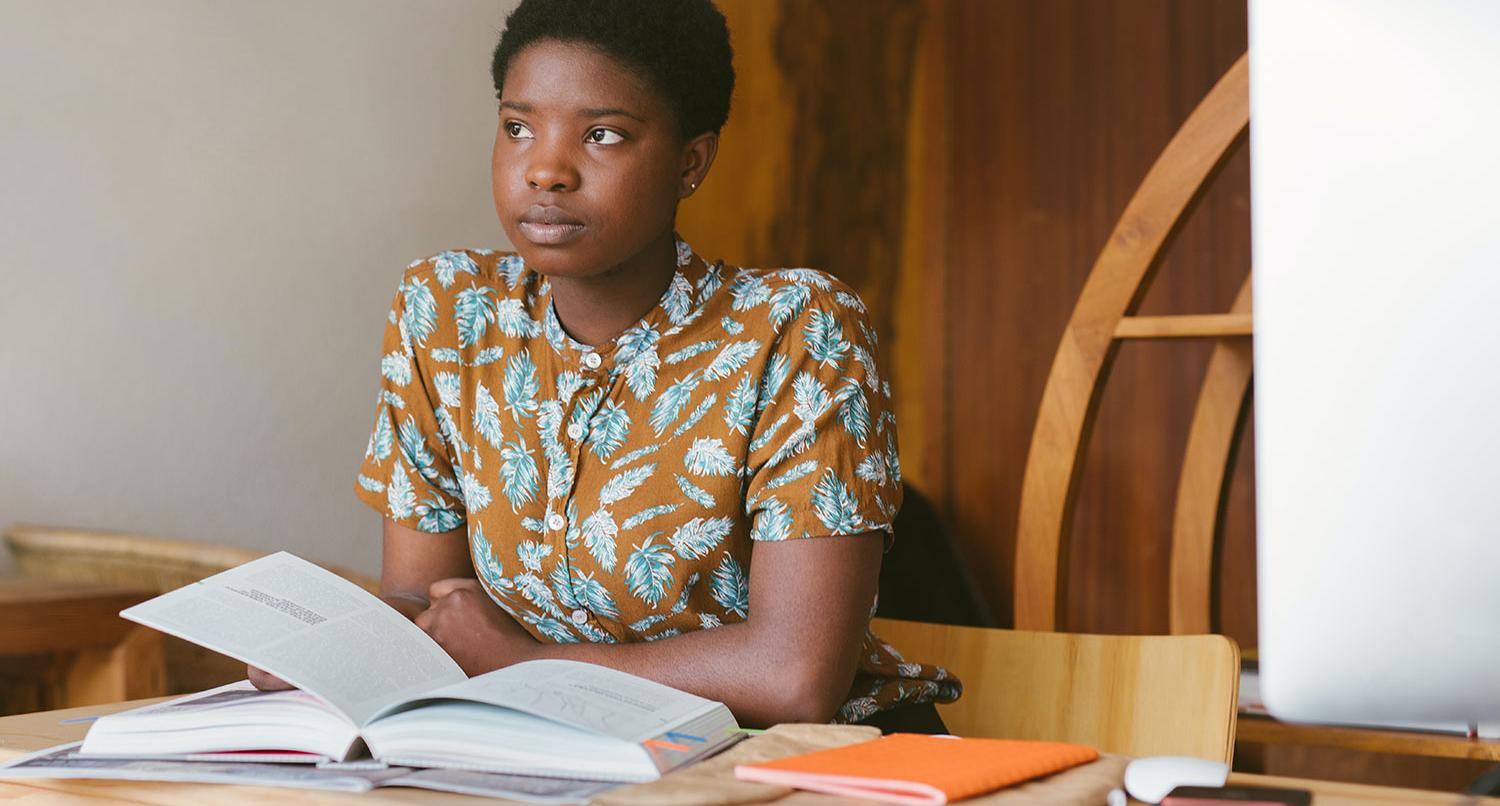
[1104, 317]
[1134, 695]
[143, 563]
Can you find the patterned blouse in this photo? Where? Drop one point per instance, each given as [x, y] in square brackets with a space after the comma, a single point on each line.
[613, 493]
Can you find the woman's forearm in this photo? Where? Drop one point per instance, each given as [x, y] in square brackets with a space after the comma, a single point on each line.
[763, 676]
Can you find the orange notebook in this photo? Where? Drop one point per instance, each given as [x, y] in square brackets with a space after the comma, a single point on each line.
[910, 768]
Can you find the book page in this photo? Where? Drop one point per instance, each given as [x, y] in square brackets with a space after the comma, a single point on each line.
[310, 627]
[595, 698]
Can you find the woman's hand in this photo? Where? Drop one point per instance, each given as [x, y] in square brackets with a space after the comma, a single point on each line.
[472, 629]
[265, 681]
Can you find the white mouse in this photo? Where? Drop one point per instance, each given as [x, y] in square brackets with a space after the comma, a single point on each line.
[1151, 779]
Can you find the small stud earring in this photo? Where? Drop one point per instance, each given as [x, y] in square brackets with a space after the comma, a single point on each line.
[693, 186]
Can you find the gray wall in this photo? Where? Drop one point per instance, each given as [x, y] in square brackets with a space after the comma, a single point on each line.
[205, 208]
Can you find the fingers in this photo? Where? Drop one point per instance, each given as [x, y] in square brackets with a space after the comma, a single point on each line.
[266, 681]
[443, 587]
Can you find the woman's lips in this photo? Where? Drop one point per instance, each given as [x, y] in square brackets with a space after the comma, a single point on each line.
[549, 226]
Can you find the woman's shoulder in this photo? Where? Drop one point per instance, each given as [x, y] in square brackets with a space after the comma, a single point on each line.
[446, 270]
[784, 301]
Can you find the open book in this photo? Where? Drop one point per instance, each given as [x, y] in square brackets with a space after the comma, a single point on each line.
[369, 678]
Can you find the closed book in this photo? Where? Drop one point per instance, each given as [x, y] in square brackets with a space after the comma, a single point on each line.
[913, 769]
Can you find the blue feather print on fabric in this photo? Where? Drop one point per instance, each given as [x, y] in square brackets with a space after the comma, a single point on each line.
[488, 355]
[511, 318]
[635, 456]
[729, 587]
[731, 358]
[512, 268]
[836, 505]
[518, 473]
[647, 514]
[824, 339]
[486, 564]
[648, 572]
[608, 430]
[420, 314]
[399, 495]
[396, 367]
[487, 416]
[708, 457]
[384, 436]
[678, 302]
[521, 386]
[562, 585]
[739, 409]
[854, 410]
[476, 495]
[671, 401]
[872, 469]
[473, 311]
[811, 277]
[531, 553]
[446, 265]
[773, 522]
[801, 470]
[771, 380]
[696, 494]
[691, 350]
[769, 433]
[437, 517]
[599, 534]
[373, 485]
[787, 303]
[699, 412]
[446, 355]
[449, 393]
[748, 290]
[414, 448]
[731, 327]
[810, 398]
[700, 536]
[623, 485]
[594, 595]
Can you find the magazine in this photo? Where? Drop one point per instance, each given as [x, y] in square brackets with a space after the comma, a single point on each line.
[64, 762]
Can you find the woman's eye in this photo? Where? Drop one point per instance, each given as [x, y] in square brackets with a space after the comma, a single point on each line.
[604, 137]
[517, 131]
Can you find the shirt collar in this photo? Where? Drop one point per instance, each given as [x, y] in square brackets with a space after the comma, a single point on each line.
[693, 282]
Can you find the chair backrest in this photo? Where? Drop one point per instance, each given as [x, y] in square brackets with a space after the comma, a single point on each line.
[143, 563]
[1103, 317]
[1130, 694]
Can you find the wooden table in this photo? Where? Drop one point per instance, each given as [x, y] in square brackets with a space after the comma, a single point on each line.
[64, 644]
[29, 732]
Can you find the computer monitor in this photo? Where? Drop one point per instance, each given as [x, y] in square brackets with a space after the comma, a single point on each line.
[1375, 199]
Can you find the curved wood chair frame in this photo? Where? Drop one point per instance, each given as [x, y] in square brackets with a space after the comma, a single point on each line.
[1103, 317]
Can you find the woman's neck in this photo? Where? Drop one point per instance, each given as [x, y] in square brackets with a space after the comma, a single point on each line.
[600, 307]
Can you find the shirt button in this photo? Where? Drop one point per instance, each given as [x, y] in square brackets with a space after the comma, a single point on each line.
[579, 617]
[592, 360]
[575, 431]
[555, 522]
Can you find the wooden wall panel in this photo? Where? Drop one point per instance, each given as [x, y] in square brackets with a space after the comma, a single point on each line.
[960, 163]
[1058, 109]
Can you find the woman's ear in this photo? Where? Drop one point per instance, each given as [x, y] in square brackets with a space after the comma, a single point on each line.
[697, 157]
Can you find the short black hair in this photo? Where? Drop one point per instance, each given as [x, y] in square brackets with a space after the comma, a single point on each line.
[680, 46]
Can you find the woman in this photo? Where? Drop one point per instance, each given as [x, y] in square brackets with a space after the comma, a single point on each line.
[625, 444]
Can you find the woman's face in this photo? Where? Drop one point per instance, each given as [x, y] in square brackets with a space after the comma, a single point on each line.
[588, 164]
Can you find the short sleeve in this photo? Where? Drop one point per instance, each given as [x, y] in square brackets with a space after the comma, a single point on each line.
[408, 474]
[822, 458]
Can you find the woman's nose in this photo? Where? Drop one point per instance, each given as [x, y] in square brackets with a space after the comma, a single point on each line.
[551, 170]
